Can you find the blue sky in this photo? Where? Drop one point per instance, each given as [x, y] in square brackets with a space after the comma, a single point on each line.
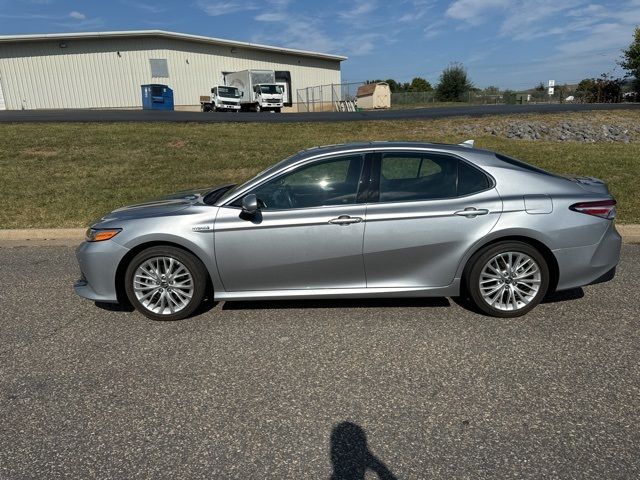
[508, 43]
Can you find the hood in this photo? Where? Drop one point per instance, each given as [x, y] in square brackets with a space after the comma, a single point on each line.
[166, 204]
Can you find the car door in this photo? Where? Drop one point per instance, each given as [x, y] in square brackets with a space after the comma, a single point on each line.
[307, 234]
[428, 208]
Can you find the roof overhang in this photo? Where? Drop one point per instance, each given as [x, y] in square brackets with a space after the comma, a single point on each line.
[170, 35]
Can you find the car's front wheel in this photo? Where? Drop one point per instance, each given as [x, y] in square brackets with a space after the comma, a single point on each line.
[165, 283]
[508, 279]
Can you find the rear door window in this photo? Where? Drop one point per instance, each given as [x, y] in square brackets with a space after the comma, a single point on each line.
[415, 176]
[412, 176]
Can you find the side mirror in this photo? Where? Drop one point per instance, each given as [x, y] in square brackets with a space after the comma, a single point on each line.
[250, 204]
[241, 94]
[213, 90]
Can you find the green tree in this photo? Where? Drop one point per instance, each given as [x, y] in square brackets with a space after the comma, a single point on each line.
[454, 83]
[419, 84]
[491, 90]
[540, 87]
[631, 59]
[605, 89]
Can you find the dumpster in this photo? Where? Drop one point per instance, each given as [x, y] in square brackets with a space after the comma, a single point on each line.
[157, 97]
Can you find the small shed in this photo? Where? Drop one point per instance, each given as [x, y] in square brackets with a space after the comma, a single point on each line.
[374, 95]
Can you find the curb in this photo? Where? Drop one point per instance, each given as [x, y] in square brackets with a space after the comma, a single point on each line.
[31, 237]
[40, 237]
[630, 233]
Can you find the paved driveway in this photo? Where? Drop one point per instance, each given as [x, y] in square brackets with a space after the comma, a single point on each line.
[408, 389]
[409, 114]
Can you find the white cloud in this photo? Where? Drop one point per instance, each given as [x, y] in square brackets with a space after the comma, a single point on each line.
[360, 9]
[216, 9]
[271, 17]
[474, 12]
[77, 15]
[434, 29]
[415, 11]
[148, 7]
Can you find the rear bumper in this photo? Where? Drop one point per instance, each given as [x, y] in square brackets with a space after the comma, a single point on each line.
[580, 266]
[98, 262]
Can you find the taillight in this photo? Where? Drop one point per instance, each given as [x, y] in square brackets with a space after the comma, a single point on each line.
[603, 208]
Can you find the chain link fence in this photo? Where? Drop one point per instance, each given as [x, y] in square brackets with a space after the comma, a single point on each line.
[343, 97]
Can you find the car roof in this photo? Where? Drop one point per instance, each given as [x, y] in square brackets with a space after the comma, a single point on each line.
[372, 145]
[380, 144]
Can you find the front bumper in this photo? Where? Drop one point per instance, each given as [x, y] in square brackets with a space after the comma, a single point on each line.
[580, 266]
[98, 262]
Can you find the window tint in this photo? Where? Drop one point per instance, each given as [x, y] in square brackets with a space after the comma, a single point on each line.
[408, 166]
[470, 180]
[413, 177]
[330, 182]
[429, 176]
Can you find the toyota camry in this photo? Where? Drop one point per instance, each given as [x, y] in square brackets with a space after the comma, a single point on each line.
[377, 219]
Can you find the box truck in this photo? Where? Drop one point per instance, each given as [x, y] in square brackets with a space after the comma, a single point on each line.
[259, 90]
[223, 98]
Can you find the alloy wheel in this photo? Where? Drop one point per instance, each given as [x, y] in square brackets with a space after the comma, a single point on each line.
[509, 281]
[163, 285]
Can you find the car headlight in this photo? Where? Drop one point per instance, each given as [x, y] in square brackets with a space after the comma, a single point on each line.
[100, 235]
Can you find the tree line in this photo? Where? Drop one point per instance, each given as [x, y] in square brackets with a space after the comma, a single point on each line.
[454, 84]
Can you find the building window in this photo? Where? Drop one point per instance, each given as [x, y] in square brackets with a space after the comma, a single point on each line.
[159, 68]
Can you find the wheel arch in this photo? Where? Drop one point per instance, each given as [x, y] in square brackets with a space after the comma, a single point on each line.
[545, 251]
[126, 260]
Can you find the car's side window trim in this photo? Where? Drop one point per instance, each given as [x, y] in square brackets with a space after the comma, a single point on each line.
[361, 193]
[376, 168]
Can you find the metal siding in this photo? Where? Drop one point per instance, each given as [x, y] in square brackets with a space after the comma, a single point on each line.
[90, 74]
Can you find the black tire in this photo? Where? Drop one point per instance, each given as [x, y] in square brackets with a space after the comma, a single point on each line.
[478, 262]
[193, 265]
[206, 108]
[258, 108]
[278, 110]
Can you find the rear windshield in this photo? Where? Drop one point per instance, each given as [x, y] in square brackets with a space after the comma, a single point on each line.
[521, 164]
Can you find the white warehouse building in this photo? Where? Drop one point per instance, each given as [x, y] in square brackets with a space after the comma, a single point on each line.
[107, 69]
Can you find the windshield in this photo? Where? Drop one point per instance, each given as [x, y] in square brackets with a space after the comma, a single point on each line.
[272, 89]
[228, 92]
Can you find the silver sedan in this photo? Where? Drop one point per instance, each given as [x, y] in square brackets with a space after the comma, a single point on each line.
[376, 219]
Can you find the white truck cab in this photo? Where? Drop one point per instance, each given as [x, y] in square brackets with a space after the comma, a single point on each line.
[224, 98]
[268, 96]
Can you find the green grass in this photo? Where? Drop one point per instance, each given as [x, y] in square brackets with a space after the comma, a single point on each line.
[65, 175]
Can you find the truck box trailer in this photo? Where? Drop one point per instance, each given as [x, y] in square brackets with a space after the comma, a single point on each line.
[259, 90]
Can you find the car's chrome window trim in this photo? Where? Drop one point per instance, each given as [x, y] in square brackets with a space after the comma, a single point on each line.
[364, 151]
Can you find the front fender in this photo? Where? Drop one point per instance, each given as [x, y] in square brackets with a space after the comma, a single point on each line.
[191, 232]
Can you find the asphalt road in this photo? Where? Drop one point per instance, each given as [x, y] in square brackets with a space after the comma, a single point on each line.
[411, 388]
[410, 114]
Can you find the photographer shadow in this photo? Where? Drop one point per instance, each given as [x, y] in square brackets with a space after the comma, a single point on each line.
[351, 457]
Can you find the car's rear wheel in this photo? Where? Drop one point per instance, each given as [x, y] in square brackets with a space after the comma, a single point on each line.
[508, 279]
[165, 283]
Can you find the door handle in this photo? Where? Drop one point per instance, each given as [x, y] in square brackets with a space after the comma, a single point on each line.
[345, 220]
[472, 212]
